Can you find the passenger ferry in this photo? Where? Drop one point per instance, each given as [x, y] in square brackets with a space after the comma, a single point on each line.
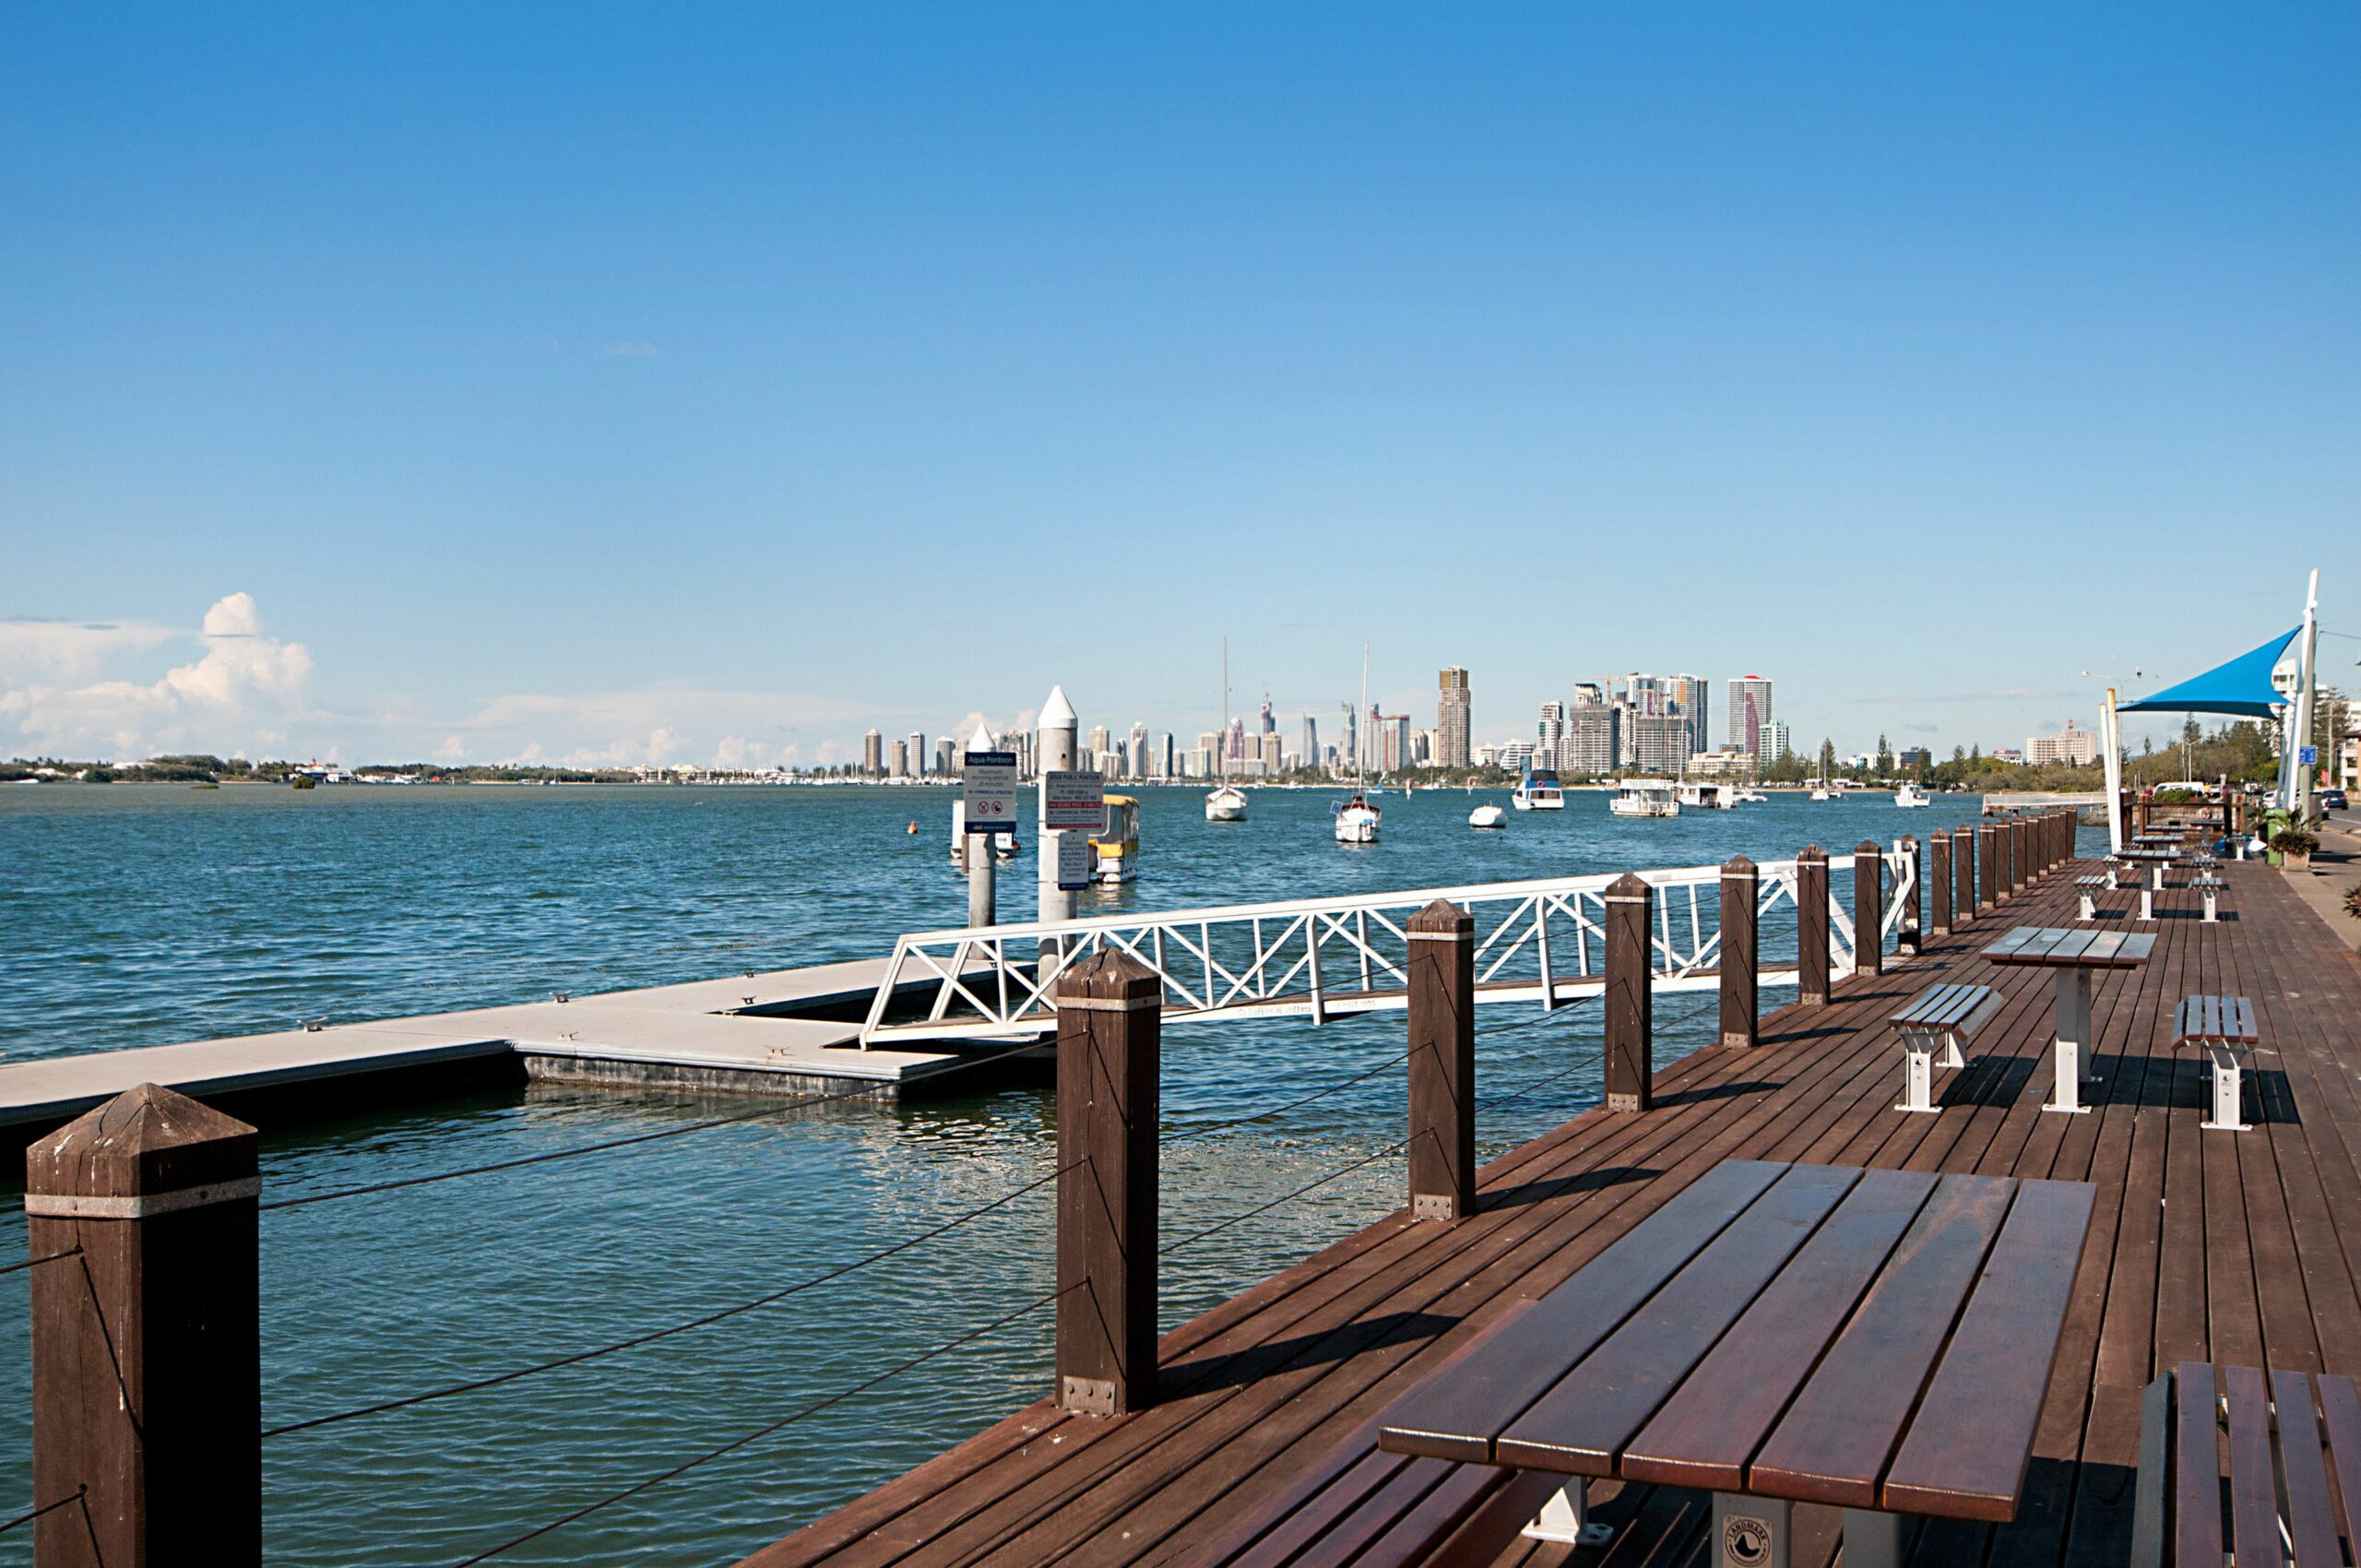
[1115, 848]
[1644, 797]
[1538, 791]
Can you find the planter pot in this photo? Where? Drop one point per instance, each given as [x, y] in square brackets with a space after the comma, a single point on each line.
[2300, 863]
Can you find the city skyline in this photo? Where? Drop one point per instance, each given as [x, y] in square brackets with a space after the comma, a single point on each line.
[846, 373]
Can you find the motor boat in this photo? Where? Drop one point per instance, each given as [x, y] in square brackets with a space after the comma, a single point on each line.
[1226, 804]
[1911, 795]
[1538, 791]
[1357, 820]
[1115, 848]
[1489, 814]
[1747, 797]
[1644, 797]
[1004, 839]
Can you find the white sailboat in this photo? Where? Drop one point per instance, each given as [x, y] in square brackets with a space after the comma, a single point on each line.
[1226, 802]
[1357, 820]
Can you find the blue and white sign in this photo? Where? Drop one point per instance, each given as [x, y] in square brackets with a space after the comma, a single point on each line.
[2309, 755]
[1074, 856]
[987, 781]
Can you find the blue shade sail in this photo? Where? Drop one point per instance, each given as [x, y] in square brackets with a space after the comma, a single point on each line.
[2242, 686]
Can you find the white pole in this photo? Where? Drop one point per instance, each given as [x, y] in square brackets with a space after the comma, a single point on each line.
[1057, 731]
[2110, 732]
[983, 902]
[2299, 776]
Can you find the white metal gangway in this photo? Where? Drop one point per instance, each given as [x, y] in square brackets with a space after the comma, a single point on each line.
[1541, 940]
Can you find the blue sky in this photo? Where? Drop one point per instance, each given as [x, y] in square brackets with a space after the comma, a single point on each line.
[660, 382]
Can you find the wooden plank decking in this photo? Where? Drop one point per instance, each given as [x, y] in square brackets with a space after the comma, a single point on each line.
[2205, 1246]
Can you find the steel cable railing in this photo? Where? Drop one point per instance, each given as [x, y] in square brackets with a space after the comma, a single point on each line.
[36, 1263]
[604, 1146]
[77, 1495]
[744, 1439]
[1213, 1127]
[650, 1336]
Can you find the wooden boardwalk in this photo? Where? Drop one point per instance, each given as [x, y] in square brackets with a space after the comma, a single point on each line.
[2228, 1247]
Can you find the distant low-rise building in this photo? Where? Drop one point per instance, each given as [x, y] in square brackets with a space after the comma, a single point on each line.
[2068, 745]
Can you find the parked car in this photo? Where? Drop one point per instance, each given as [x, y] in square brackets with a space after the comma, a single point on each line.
[2333, 800]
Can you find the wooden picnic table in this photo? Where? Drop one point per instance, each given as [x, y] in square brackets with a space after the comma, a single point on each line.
[2076, 954]
[1874, 1340]
[2155, 861]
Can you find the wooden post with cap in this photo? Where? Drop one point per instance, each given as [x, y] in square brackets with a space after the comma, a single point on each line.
[1939, 882]
[1812, 927]
[1630, 995]
[1742, 953]
[1868, 909]
[1110, 1028]
[147, 1359]
[1963, 876]
[1442, 1062]
[1988, 866]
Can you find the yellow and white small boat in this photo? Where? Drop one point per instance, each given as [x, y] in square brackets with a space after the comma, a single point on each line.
[1115, 848]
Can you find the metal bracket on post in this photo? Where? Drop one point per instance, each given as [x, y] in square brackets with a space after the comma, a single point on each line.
[2226, 1081]
[1752, 1532]
[2071, 1066]
[1565, 1519]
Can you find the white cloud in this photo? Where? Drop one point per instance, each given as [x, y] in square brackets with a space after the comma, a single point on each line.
[237, 694]
[70, 651]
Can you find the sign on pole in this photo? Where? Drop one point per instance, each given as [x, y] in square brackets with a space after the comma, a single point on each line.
[1074, 860]
[2308, 756]
[987, 781]
[1075, 800]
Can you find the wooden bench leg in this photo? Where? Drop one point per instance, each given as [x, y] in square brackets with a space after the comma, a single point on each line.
[2228, 1082]
[2212, 912]
[2089, 906]
[1565, 1519]
[2147, 904]
[1750, 1532]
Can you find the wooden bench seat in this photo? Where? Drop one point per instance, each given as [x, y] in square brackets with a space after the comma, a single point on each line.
[1362, 1506]
[2225, 1027]
[1941, 1017]
[2287, 1431]
[2089, 888]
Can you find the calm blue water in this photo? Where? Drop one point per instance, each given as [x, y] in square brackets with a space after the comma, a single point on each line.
[138, 915]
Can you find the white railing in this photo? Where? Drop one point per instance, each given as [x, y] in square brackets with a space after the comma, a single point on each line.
[1541, 940]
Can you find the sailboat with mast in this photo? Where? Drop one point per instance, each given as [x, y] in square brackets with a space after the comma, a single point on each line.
[1357, 819]
[1226, 802]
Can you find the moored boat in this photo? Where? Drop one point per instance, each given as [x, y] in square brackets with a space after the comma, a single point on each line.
[1489, 814]
[1644, 797]
[1538, 791]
